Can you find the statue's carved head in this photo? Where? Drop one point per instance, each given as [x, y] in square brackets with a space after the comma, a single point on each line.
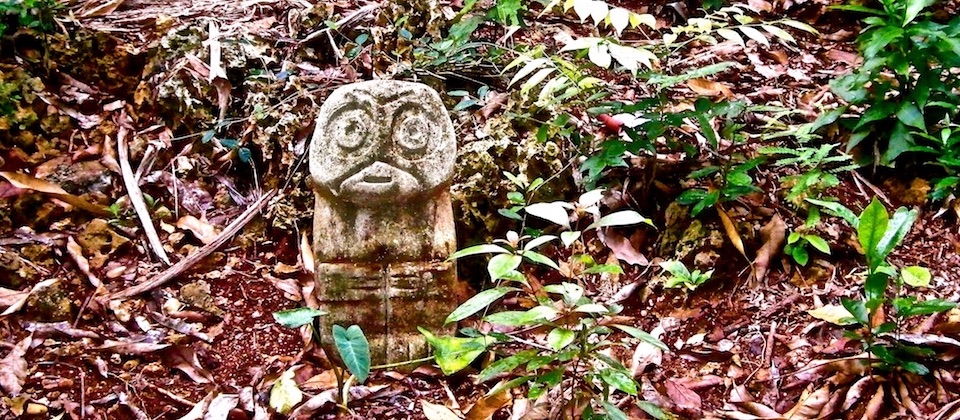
[382, 141]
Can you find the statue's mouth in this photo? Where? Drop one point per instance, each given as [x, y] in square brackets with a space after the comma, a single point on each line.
[377, 181]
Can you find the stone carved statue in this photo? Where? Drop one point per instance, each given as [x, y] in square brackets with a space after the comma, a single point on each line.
[381, 161]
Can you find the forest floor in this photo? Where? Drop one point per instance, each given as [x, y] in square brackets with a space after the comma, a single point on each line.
[206, 108]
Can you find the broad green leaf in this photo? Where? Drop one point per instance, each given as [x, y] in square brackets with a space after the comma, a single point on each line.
[294, 318]
[529, 68]
[874, 288]
[857, 309]
[538, 241]
[927, 307]
[800, 25]
[535, 80]
[506, 364]
[910, 115]
[479, 249]
[818, 243]
[612, 412]
[619, 19]
[520, 318]
[755, 35]
[354, 350]
[655, 411]
[540, 259]
[619, 380]
[621, 218]
[916, 276]
[647, 19]
[642, 336]
[836, 209]
[872, 227]
[599, 54]
[455, 353]
[834, 314]
[285, 394]
[592, 308]
[779, 33]
[676, 268]
[571, 292]
[897, 228]
[569, 238]
[560, 338]
[478, 302]
[731, 35]
[501, 264]
[554, 212]
[914, 7]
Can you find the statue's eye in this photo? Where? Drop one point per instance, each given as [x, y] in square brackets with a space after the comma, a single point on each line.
[413, 133]
[350, 131]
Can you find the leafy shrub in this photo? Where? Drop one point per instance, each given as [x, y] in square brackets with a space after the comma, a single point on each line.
[31, 14]
[905, 84]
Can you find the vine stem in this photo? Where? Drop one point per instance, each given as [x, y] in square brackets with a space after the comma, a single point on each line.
[408, 362]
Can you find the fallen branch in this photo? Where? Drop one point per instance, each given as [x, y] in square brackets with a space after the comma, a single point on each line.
[136, 197]
[190, 260]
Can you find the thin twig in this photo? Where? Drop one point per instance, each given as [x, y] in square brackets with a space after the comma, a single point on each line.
[136, 196]
[860, 179]
[190, 260]
[765, 314]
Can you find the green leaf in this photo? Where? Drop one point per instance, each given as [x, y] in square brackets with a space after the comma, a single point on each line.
[478, 249]
[836, 209]
[621, 218]
[857, 309]
[455, 353]
[479, 301]
[284, 394]
[872, 227]
[569, 237]
[910, 115]
[592, 308]
[654, 411]
[560, 338]
[501, 264]
[354, 350]
[520, 318]
[913, 9]
[927, 307]
[294, 318]
[540, 259]
[874, 288]
[619, 380]
[506, 364]
[554, 212]
[897, 229]
[818, 243]
[800, 255]
[642, 336]
[613, 413]
[538, 241]
[916, 276]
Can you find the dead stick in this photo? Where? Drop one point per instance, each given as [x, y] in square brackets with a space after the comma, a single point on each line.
[136, 197]
[768, 312]
[202, 253]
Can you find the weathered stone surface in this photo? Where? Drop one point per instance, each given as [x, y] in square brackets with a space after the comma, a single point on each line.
[381, 161]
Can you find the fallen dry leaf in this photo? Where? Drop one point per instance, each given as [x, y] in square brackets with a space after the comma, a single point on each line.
[185, 359]
[709, 88]
[487, 405]
[18, 299]
[306, 254]
[13, 368]
[28, 182]
[681, 396]
[73, 248]
[773, 235]
[438, 412]
[622, 247]
[94, 8]
[731, 231]
[203, 231]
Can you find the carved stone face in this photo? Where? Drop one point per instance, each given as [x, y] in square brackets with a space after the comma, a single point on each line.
[382, 141]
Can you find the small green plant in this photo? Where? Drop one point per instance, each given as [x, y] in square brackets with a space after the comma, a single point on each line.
[905, 84]
[578, 329]
[29, 14]
[878, 234]
[680, 276]
[819, 166]
[352, 348]
[803, 237]
[730, 182]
